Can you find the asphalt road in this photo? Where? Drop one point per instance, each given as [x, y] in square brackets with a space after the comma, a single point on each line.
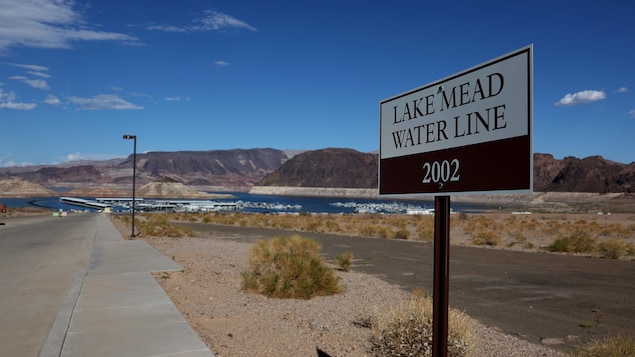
[39, 257]
[541, 297]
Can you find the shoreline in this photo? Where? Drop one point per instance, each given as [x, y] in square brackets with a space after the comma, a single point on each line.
[553, 202]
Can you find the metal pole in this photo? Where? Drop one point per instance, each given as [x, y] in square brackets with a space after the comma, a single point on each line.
[134, 177]
[440, 306]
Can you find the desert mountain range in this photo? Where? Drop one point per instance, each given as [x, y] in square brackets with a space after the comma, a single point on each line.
[240, 169]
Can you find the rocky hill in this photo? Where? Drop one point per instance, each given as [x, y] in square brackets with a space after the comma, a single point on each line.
[26, 189]
[326, 168]
[240, 169]
[235, 169]
[591, 174]
[353, 169]
[165, 187]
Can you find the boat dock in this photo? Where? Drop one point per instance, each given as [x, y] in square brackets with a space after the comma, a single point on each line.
[85, 203]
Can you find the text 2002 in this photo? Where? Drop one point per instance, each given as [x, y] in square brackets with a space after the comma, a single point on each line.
[441, 172]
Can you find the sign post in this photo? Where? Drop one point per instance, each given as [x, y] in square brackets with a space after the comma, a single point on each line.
[441, 283]
[470, 133]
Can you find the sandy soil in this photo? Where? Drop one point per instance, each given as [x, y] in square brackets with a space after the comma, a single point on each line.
[236, 323]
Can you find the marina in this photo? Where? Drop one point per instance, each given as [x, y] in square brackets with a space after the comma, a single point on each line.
[123, 204]
[81, 202]
[242, 202]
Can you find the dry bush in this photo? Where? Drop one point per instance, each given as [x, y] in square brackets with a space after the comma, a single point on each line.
[482, 229]
[615, 346]
[615, 249]
[615, 230]
[425, 228]
[158, 225]
[485, 238]
[401, 233]
[368, 231]
[289, 267]
[577, 242]
[406, 329]
[344, 260]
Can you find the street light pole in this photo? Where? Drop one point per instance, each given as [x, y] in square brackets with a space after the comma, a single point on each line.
[134, 176]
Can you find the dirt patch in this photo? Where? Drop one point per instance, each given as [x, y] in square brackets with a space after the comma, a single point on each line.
[233, 322]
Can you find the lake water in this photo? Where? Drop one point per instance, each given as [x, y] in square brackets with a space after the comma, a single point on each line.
[275, 203]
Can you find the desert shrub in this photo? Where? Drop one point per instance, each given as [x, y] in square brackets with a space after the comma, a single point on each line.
[158, 225]
[125, 219]
[368, 231]
[344, 260]
[406, 328]
[332, 225]
[552, 228]
[425, 231]
[401, 233]
[383, 232]
[615, 248]
[615, 346]
[615, 230]
[310, 226]
[485, 238]
[289, 267]
[577, 242]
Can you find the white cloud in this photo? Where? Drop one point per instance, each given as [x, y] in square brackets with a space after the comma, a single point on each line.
[632, 113]
[103, 102]
[35, 83]
[6, 162]
[212, 21]
[622, 90]
[221, 63]
[52, 100]
[7, 101]
[141, 95]
[38, 74]
[218, 21]
[17, 106]
[167, 28]
[178, 99]
[47, 24]
[583, 97]
[32, 67]
[76, 156]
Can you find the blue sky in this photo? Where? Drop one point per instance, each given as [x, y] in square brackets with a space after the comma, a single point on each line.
[205, 75]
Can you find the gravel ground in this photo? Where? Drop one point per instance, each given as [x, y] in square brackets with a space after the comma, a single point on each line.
[236, 323]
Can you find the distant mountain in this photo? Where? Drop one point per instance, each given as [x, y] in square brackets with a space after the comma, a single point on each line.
[240, 169]
[352, 169]
[25, 188]
[231, 168]
[235, 169]
[326, 168]
[591, 174]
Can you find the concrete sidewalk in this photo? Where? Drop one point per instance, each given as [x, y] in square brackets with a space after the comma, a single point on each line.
[116, 308]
